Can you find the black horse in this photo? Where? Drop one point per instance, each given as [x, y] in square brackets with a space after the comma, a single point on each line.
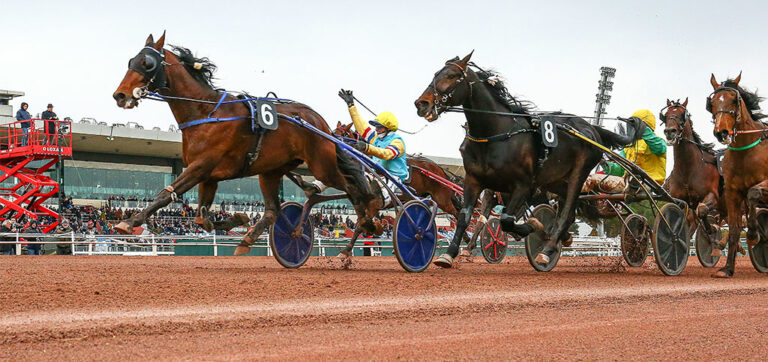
[504, 151]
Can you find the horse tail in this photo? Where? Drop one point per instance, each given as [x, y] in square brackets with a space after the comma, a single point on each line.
[635, 129]
[352, 171]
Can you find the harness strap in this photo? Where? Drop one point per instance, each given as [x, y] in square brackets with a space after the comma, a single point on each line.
[499, 137]
[198, 122]
[753, 144]
[223, 95]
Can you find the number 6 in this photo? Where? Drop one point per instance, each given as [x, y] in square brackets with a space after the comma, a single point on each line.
[266, 114]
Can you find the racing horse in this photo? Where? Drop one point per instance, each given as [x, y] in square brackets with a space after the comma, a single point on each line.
[227, 148]
[446, 198]
[735, 112]
[695, 178]
[503, 151]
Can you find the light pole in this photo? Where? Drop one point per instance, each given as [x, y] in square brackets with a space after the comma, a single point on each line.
[603, 96]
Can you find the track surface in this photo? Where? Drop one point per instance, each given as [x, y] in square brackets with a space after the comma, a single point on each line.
[112, 308]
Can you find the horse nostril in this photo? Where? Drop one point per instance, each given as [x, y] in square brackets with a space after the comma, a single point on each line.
[420, 104]
[118, 96]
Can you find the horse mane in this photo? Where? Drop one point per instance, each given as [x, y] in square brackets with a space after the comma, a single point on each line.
[494, 82]
[751, 99]
[204, 75]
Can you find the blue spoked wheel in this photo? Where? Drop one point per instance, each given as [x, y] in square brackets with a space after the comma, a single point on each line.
[289, 250]
[415, 236]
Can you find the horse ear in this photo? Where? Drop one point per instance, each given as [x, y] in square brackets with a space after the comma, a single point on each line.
[150, 40]
[714, 82]
[685, 104]
[160, 42]
[465, 60]
[668, 102]
[738, 79]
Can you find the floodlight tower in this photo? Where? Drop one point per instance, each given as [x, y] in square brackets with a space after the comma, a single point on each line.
[605, 86]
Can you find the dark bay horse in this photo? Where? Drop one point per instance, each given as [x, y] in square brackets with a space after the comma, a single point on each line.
[735, 112]
[695, 178]
[504, 152]
[220, 151]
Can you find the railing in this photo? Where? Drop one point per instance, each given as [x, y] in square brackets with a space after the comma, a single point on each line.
[40, 136]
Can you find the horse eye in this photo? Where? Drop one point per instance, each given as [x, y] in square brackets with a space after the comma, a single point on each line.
[149, 63]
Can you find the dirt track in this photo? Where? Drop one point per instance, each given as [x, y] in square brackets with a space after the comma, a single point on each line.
[244, 308]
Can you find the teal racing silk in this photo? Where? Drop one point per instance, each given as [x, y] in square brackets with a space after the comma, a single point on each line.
[397, 166]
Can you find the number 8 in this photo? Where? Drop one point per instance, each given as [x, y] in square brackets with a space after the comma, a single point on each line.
[549, 135]
[266, 114]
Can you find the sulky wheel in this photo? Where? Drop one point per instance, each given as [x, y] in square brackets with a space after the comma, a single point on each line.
[705, 242]
[670, 242]
[534, 242]
[758, 254]
[290, 250]
[634, 240]
[493, 241]
[415, 236]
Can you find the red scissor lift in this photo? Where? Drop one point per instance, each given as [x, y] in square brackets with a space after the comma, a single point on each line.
[24, 158]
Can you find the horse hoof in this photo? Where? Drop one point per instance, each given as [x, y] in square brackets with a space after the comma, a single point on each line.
[207, 225]
[716, 253]
[344, 254]
[444, 261]
[241, 219]
[741, 250]
[535, 224]
[542, 259]
[568, 242]
[465, 253]
[721, 274]
[124, 228]
[702, 210]
[751, 241]
[242, 250]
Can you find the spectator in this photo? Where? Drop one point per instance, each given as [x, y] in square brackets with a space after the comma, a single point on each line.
[32, 247]
[50, 125]
[23, 115]
[6, 249]
[64, 247]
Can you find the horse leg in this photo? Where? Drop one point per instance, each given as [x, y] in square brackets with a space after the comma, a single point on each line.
[565, 217]
[733, 202]
[508, 220]
[269, 184]
[190, 177]
[347, 251]
[487, 203]
[472, 190]
[756, 195]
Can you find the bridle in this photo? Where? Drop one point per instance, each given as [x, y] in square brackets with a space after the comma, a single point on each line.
[153, 69]
[441, 98]
[735, 113]
[685, 119]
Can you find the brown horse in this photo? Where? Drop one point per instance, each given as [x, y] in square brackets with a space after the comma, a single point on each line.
[229, 149]
[695, 178]
[745, 166]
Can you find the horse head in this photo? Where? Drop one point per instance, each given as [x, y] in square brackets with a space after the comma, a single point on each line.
[343, 130]
[449, 87]
[727, 106]
[676, 120]
[146, 70]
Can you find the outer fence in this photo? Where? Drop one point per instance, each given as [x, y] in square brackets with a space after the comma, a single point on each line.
[218, 245]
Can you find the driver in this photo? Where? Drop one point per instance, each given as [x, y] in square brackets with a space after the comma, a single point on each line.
[649, 153]
[379, 141]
